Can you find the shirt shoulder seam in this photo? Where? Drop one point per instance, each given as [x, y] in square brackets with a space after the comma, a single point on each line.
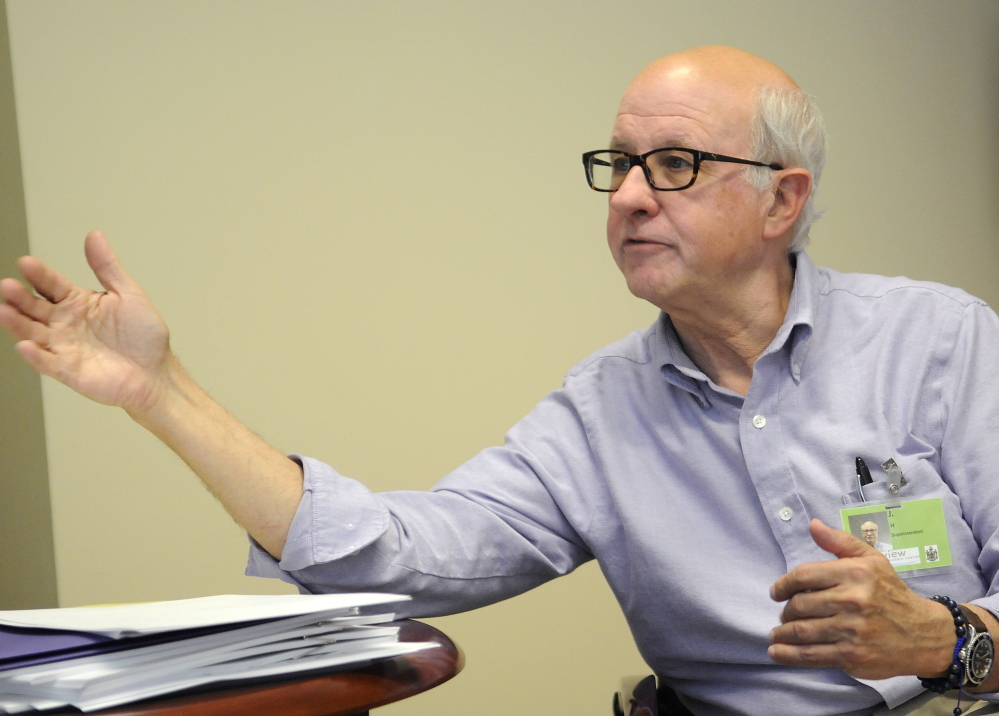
[953, 295]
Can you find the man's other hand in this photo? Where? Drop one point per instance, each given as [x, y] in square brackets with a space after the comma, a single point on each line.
[854, 612]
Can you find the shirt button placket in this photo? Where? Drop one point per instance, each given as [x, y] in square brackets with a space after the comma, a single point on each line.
[766, 460]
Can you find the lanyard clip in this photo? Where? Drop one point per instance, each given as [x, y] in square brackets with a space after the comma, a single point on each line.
[895, 477]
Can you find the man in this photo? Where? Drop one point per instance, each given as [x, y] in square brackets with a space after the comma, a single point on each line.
[727, 427]
[869, 532]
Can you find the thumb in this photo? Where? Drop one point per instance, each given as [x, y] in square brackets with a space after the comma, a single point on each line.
[837, 542]
[105, 264]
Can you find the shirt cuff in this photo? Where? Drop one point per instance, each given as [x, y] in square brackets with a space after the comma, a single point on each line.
[896, 690]
[336, 517]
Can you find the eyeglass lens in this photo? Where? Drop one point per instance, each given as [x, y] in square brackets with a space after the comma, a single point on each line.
[669, 168]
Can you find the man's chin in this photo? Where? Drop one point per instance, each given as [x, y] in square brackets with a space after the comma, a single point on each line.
[651, 294]
[650, 286]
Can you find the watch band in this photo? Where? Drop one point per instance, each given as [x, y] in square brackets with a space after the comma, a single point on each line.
[978, 653]
[973, 619]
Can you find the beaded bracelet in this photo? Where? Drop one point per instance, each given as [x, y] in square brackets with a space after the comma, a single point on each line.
[955, 674]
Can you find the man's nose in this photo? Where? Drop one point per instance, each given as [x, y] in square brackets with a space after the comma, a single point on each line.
[635, 195]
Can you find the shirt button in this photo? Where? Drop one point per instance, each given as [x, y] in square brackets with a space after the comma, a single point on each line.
[796, 370]
[350, 525]
[785, 513]
[759, 421]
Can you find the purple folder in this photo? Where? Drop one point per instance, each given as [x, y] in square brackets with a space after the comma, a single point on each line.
[20, 646]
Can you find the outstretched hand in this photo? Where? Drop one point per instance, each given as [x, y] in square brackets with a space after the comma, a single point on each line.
[855, 613]
[110, 346]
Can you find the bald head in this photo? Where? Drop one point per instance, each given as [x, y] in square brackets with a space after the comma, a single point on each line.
[869, 531]
[720, 80]
[739, 70]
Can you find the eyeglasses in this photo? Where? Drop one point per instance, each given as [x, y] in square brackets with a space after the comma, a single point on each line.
[871, 531]
[667, 169]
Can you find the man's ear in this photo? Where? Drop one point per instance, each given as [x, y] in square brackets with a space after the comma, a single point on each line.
[789, 198]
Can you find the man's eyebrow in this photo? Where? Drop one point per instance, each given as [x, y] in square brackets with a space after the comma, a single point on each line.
[681, 141]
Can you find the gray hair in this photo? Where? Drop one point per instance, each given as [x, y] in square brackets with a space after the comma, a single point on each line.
[787, 128]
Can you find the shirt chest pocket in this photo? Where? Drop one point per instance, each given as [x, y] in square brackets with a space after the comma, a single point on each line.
[926, 495]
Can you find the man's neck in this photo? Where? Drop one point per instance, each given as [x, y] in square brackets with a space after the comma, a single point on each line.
[725, 338]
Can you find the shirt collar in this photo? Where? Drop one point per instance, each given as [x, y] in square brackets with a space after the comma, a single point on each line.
[792, 337]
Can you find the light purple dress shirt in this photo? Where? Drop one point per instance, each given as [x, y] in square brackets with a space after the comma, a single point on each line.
[695, 499]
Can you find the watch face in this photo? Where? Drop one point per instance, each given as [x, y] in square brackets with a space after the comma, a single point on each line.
[980, 662]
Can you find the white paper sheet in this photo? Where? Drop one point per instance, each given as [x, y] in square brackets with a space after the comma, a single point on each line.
[135, 619]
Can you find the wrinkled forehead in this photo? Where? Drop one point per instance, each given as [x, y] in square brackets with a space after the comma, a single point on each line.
[684, 108]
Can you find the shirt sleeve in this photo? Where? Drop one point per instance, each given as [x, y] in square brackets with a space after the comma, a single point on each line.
[970, 446]
[502, 523]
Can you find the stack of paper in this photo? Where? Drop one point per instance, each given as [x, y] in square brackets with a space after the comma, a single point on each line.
[97, 657]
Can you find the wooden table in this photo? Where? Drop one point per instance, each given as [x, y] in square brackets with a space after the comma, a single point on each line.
[343, 693]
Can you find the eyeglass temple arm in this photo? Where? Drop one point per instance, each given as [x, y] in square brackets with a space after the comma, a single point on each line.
[733, 160]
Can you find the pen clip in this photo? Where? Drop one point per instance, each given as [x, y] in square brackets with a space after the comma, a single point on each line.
[863, 477]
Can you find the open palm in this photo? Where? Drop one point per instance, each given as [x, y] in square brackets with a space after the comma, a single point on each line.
[110, 346]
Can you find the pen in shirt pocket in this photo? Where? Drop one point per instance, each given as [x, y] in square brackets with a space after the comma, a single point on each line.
[863, 477]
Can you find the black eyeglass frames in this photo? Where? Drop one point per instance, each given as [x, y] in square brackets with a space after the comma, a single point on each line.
[666, 169]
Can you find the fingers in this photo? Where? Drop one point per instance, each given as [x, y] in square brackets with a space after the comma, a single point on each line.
[54, 288]
[814, 581]
[25, 316]
[33, 335]
[25, 302]
[105, 264]
[49, 283]
[791, 655]
[873, 645]
[806, 577]
[822, 575]
[22, 327]
[38, 358]
[838, 542]
[812, 631]
[811, 605]
[853, 655]
[807, 654]
[844, 641]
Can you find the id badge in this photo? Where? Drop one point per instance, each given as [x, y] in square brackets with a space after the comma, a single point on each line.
[912, 534]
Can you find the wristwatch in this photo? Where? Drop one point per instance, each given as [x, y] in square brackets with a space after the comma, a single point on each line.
[978, 652]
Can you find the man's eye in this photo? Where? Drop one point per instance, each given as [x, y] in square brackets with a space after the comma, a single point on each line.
[677, 162]
[621, 165]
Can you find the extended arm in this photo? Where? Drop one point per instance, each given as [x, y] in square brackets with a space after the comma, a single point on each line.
[114, 348]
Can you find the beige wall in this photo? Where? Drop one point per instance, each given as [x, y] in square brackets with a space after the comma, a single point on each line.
[367, 226]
